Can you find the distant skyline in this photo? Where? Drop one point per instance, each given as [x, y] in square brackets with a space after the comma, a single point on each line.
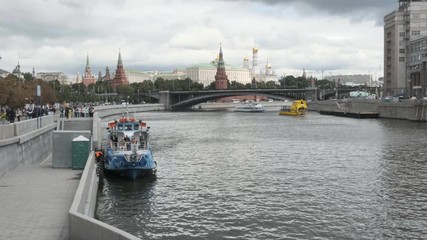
[336, 36]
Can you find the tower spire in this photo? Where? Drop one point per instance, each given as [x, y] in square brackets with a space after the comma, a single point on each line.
[120, 59]
[221, 57]
[87, 60]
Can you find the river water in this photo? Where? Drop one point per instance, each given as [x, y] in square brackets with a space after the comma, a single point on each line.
[227, 175]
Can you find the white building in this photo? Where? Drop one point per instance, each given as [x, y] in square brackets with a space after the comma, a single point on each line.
[205, 73]
[135, 76]
[4, 73]
[52, 76]
[354, 80]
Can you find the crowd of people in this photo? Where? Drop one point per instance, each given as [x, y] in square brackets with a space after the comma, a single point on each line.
[77, 111]
[10, 115]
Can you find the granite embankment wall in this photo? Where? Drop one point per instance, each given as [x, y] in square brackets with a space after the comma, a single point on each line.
[82, 223]
[406, 109]
[342, 105]
[81, 219]
[414, 110]
[31, 142]
[25, 142]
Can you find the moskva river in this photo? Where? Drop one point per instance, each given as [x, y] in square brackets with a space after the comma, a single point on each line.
[227, 175]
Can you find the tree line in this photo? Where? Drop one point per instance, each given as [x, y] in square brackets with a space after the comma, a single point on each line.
[15, 92]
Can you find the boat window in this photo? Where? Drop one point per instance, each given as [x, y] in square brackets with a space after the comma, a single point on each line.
[120, 127]
[128, 127]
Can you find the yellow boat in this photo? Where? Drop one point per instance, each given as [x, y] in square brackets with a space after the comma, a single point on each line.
[298, 108]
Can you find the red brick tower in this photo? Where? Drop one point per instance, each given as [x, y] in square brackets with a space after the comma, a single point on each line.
[120, 77]
[221, 81]
[88, 77]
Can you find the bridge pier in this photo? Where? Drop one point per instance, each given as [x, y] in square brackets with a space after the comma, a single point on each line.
[164, 98]
[311, 94]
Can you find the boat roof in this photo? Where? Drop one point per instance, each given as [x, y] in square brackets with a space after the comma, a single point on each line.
[126, 121]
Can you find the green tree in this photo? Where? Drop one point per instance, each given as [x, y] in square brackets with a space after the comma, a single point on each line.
[324, 84]
[28, 76]
[125, 91]
[270, 84]
[290, 82]
[301, 82]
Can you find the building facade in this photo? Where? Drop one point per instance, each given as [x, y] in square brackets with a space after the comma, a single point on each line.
[52, 76]
[4, 73]
[354, 80]
[417, 59]
[135, 76]
[400, 27]
[205, 73]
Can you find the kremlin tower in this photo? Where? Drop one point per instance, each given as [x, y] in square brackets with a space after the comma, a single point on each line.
[221, 81]
[255, 69]
[88, 77]
[120, 77]
[107, 75]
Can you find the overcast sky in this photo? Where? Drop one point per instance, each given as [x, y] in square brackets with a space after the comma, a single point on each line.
[336, 36]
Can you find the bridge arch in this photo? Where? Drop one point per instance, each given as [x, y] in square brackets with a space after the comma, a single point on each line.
[196, 98]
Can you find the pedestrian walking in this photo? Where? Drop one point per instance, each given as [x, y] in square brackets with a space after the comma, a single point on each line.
[18, 114]
[11, 115]
[3, 116]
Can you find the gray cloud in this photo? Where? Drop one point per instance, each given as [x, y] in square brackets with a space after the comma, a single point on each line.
[56, 35]
[356, 10]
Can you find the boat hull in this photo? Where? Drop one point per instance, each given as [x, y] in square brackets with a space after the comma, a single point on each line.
[292, 114]
[250, 110]
[130, 164]
[131, 173]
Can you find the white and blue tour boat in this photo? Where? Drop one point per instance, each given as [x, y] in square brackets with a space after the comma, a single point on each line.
[129, 152]
[249, 107]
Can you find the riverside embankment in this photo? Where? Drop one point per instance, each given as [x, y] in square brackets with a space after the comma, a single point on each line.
[26, 156]
[36, 197]
[406, 109]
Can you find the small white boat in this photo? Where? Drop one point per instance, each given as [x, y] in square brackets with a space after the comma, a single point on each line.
[250, 107]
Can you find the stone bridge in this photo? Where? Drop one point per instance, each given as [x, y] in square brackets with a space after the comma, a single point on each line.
[174, 100]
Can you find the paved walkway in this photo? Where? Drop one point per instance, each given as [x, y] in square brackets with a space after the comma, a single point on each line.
[35, 200]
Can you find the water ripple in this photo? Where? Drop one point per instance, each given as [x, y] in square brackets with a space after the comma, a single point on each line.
[225, 175]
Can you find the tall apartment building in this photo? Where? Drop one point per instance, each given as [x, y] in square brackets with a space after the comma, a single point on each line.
[400, 27]
[417, 66]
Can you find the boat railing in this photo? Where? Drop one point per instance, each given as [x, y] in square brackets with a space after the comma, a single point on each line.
[128, 146]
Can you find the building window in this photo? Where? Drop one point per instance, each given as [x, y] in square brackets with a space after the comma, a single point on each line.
[415, 33]
[402, 50]
[401, 59]
[402, 34]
